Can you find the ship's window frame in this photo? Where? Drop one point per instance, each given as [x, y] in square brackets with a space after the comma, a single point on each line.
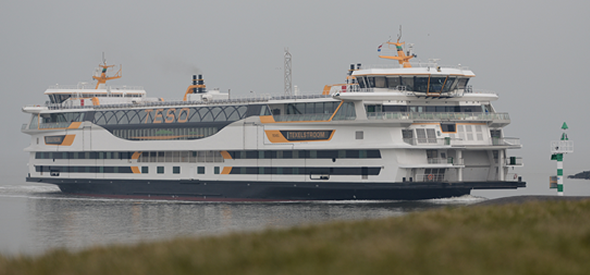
[421, 83]
[309, 108]
[347, 111]
[327, 154]
[462, 82]
[313, 154]
[288, 154]
[380, 82]
[407, 82]
[449, 83]
[448, 128]
[362, 82]
[393, 82]
[421, 135]
[352, 154]
[251, 154]
[373, 108]
[431, 134]
[436, 83]
[371, 81]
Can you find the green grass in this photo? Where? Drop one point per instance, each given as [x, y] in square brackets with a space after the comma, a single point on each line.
[532, 238]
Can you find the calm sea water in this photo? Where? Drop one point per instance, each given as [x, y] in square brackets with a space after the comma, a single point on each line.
[35, 218]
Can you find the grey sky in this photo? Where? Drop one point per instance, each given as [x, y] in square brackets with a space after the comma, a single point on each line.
[533, 53]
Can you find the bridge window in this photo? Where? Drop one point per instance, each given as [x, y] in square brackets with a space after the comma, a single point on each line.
[380, 82]
[346, 112]
[420, 83]
[393, 82]
[408, 82]
[436, 84]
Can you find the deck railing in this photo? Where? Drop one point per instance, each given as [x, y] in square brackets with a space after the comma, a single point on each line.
[92, 86]
[448, 141]
[506, 141]
[438, 116]
[144, 103]
[53, 125]
[302, 117]
[449, 160]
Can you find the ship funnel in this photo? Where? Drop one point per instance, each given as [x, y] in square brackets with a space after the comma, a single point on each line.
[199, 84]
[194, 84]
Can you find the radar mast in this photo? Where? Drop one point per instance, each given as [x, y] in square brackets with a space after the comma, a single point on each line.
[101, 74]
[401, 55]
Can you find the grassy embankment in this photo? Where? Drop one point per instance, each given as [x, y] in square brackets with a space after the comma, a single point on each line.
[533, 238]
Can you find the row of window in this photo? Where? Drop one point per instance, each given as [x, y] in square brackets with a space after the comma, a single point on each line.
[469, 132]
[59, 98]
[83, 155]
[62, 117]
[55, 120]
[84, 169]
[425, 84]
[461, 132]
[55, 170]
[342, 171]
[172, 115]
[175, 170]
[165, 133]
[152, 156]
[151, 116]
[280, 112]
[181, 156]
[306, 154]
[200, 114]
[313, 111]
[215, 156]
[425, 109]
[304, 108]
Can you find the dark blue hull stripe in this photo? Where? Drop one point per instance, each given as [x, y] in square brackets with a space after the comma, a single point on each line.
[257, 190]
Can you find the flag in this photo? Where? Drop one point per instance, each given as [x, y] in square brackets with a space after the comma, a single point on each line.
[379, 48]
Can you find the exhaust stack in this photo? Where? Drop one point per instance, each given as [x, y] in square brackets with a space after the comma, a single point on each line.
[199, 83]
[194, 84]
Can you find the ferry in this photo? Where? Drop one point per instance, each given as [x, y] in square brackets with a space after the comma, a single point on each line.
[404, 131]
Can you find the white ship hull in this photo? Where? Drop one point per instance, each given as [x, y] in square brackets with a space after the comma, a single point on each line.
[390, 134]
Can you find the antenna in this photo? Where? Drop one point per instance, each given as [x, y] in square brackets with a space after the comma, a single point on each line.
[288, 76]
[101, 74]
[402, 58]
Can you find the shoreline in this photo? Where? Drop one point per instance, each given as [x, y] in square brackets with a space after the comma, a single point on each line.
[529, 198]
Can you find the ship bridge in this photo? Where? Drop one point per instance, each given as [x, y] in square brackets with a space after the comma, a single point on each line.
[59, 94]
[430, 80]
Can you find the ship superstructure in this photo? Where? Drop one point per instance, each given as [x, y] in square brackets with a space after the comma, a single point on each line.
[388, 133]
